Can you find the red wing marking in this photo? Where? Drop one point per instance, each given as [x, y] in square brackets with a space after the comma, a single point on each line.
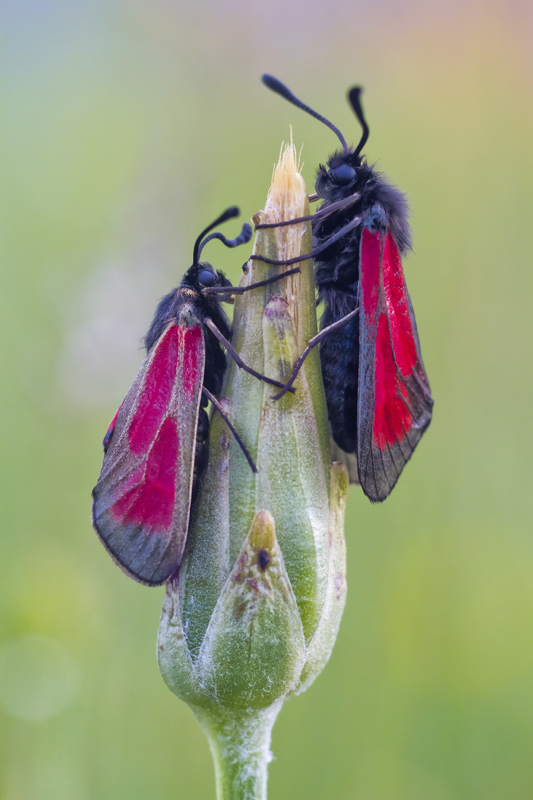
[394, 401]
[370, 257]
[152, 404]
[151, 502]
[141, 503]
[397, 308]
[392, 417]
[193, 359]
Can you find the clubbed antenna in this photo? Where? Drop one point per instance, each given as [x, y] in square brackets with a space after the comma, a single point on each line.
[229, 213]
[280, 88]
[244, 236]
[354, 96]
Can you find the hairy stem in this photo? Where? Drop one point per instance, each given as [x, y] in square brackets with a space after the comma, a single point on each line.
[240, 744]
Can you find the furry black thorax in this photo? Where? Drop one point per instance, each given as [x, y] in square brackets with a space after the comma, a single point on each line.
[190, 292]
[380, 206]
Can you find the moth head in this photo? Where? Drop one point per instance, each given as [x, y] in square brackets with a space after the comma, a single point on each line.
[342, 169]
[207, 277]
[203, 276]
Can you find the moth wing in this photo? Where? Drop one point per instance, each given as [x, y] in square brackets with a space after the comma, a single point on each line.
[141, 502]
[394, 400]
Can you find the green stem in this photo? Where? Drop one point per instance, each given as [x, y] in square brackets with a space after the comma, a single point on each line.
[240, 744]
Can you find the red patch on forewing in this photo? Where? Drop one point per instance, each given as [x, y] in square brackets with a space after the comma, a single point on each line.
[192, 360]
[151, 502]
[392, 417]
[156, 392]
[401, 329]
[370, 257]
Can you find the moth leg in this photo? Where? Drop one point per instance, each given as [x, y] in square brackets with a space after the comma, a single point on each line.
[317, 250]
[242, 289]
[340, 205]
[273, 279]
[236, 357]
[313, 343]
[212, 399]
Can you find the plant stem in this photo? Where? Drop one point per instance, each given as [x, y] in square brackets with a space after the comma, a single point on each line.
[240, 744]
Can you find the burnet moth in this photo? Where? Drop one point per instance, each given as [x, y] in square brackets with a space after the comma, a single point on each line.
[377, 391]
[156, 445]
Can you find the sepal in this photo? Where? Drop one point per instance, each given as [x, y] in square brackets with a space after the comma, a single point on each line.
[175, 662]
[321, 645]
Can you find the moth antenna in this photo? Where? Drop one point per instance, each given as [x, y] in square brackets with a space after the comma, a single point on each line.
[229, 213]
[280, 88]
[354, 96]
[244, 236]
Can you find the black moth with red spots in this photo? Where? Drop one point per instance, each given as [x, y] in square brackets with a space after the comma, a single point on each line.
[156, 446]
[377, 391]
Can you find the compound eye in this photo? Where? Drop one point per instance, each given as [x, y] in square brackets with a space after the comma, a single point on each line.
[206, 277]
[343, 174]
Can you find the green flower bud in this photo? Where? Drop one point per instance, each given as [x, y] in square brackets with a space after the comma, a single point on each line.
[255, 623]
[253, 614]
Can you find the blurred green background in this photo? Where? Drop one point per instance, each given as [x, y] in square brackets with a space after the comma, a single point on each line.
[128, 126]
